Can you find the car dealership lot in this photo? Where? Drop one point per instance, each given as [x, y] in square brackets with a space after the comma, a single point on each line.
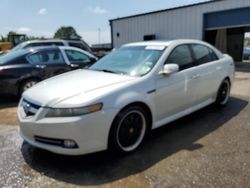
[209, 148]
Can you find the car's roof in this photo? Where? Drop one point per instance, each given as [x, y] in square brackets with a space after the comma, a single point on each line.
[42, 41]
[53, 47]
[42, 48]
[146, 43]
[53, 40]
[164, 43]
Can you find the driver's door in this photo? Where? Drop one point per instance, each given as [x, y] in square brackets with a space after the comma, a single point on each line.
[78, 59]
[174, 92]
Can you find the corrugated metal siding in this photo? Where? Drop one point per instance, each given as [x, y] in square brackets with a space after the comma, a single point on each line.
[178, 23]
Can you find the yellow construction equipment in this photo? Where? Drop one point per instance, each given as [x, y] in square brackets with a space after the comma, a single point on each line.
[13, 40]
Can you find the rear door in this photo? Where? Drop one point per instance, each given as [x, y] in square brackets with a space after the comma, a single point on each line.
[51, 62]
[207, 73]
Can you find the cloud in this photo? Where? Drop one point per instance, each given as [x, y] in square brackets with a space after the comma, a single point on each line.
[24, 30]
[42, 11]
[98, 10]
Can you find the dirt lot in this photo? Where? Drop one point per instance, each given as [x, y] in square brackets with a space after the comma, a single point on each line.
[209, 148]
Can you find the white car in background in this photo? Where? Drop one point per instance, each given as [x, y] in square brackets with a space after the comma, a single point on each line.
[54, 42]
[139, 87]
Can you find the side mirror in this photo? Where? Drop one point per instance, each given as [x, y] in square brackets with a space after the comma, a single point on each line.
[169, 69]
[92, 60]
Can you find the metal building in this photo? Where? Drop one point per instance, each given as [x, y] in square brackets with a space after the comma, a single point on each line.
[220, 22]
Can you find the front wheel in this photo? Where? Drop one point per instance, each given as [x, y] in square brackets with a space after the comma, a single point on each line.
[223, 93]
[128, 129]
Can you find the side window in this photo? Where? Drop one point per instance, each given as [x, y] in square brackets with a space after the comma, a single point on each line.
[181, 55]
[203, 54]
[77, 57]
[35, 58]
[47, 57]
[52, 44]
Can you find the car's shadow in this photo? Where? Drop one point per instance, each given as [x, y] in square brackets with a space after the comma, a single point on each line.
[104, 167]
[8, 101]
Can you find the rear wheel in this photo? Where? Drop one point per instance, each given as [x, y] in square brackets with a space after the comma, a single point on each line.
[223, 93]
[26, 85]
[128, 129]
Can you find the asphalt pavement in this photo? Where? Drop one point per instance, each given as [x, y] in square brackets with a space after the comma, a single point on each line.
[210, 148]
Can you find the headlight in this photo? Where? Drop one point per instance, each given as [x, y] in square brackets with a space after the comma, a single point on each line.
[69, 112]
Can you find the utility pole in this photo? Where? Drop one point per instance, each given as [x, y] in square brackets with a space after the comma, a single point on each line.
[99, 35]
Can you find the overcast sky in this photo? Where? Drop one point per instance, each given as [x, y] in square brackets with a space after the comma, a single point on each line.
[44, 17]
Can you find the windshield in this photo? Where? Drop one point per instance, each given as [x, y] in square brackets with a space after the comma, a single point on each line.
[11, 55]
[132, 60]
[18, 47]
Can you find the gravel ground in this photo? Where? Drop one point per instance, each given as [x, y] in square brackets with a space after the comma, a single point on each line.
[209, 148]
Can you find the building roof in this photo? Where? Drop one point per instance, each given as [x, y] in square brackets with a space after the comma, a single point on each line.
[164, 10]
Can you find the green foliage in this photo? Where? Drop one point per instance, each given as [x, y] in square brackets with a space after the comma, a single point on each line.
[3, 39]
[67, 32]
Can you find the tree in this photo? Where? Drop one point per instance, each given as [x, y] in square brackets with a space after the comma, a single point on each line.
[67, 32]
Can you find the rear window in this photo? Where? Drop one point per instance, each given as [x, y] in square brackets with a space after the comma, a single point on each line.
[11, 56]
[47, 57]
[19, 46]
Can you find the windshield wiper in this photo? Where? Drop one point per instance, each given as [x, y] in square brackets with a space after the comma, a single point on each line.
[110, 71]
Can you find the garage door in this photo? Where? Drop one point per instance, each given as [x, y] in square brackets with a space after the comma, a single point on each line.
[230, 18]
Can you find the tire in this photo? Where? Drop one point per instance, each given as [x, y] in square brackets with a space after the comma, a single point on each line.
[223, 94]
[128, 130]
[26, 85]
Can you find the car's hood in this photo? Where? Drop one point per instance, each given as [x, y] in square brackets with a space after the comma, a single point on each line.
[65, 86]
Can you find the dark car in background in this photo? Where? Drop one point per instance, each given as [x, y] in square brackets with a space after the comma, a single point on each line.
[21, 69]
[246, 53]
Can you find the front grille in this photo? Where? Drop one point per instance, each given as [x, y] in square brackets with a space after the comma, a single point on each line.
[51, 141]
[29, 108]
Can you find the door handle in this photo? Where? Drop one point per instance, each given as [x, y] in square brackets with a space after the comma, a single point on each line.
[40, 66]
[74, 65]
[196, 76]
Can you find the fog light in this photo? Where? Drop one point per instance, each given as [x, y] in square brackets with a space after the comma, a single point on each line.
[69, 144]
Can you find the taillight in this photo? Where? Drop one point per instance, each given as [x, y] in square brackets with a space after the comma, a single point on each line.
[1, 69]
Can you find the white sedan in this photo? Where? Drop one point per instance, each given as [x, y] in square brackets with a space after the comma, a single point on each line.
[139, 87]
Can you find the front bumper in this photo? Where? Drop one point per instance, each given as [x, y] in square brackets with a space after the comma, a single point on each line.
[90, 131]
